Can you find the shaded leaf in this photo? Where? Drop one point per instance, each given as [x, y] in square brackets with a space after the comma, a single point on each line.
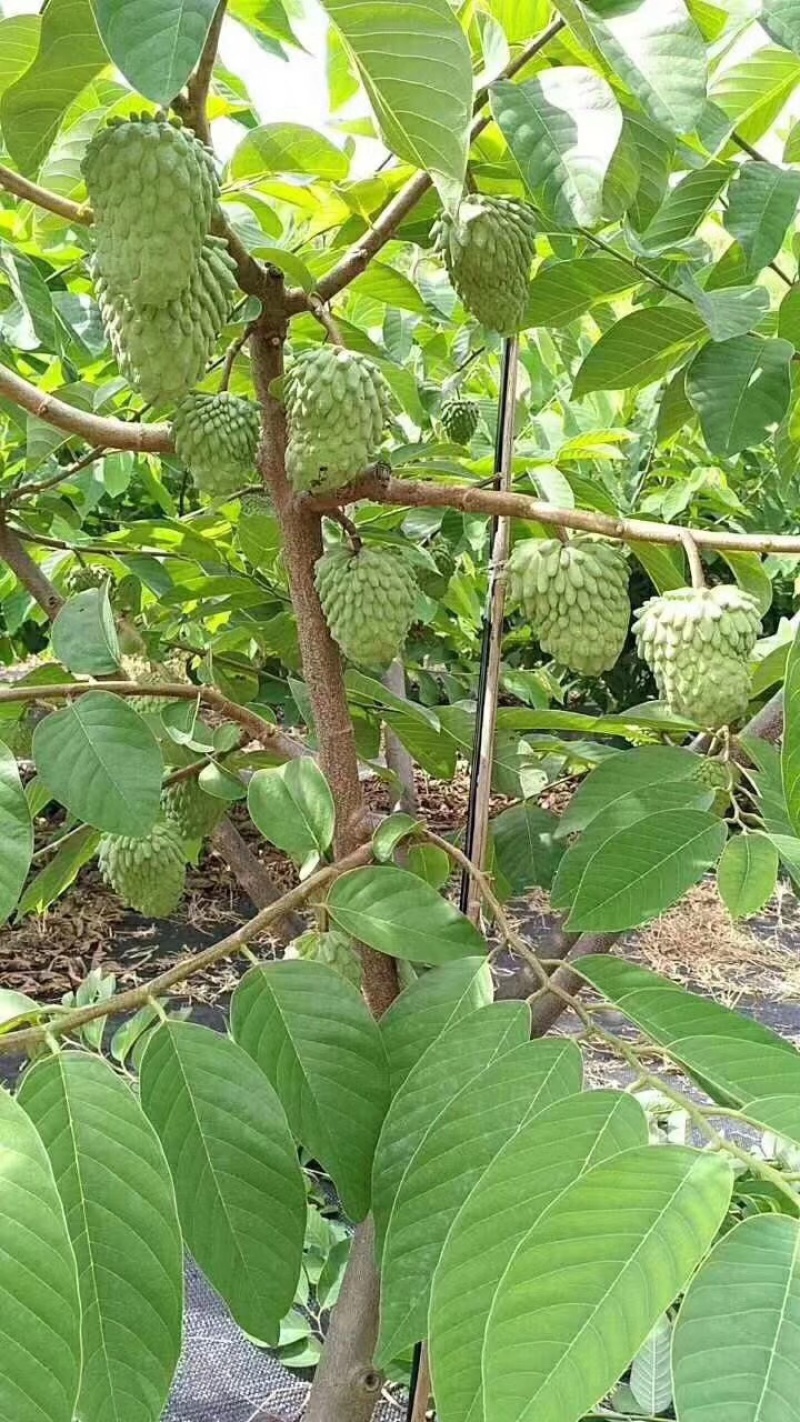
[393, 911]
[790, 751]
[432, 1004]
[59, 872]
[651, 1372]
[740, 390]
[16, 833]
[293, 807]
[155, 43]
[84, 637]
[562, 291]
[640, 348]
[69, 56]
[762, 204]
[747, 874]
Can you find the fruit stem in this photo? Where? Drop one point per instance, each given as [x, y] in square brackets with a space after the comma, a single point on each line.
[349, 528]
[231, 354]
[320, 311]
[692, 552]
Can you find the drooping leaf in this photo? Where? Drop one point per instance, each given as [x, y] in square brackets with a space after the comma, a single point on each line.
[740, 390]
[313, 1036]
[622, 776]
[451, 1062]
[633, 1230]
[120, 1207]
[781, 20]
[40, 1371]
[69, 56]
[563, 128]
[790, 751]
[391, 910]
[240, 1190]
[526, 854]
[84, 637]
[16, 833]
[762, 202]
[747, 873]
[448, 1161]
[59, 872]
[430, 1006]
[293, 807]
[651, 1372]
[531, 1171]
[735, 1348]
[639, 349]
[100, 759]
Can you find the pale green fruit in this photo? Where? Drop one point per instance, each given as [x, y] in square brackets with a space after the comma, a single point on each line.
[368, 599]
[337, 950]
[152, 187]
[460, 420]
[576, 597]
[149, 874]
[217, 436]
[83, 579]
[698, 643]
[337, 404]
[488, 248]
[147, 673]
[193, 813]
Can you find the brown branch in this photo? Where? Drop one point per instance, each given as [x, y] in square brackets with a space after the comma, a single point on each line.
[254, 878]
[474, 499]
[321, 313]
[690, 548]
[78, 213]
[230, 356]
[95, 429]
[193, 111]
[27, 1038]
[19, 560]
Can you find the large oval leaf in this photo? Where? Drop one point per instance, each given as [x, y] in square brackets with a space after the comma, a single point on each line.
[16, 834]
[640, 348]
[121, 1215]
[313, 1036]
[84, 637]
[100, 759]
[735, 1346]
[449, 1160]
[155, 43]
[622, 777]
[432, 1004]
[40, 1365]
[537, 1165]
[68, 57]
[747, 873]
[240, 1190]
[293, 807]
[397, 913]
[589, 1281]
[740, 390]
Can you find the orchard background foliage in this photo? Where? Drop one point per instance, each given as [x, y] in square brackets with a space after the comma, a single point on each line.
[613, 185]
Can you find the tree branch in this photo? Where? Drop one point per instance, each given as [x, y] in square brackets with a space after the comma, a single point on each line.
[19, 560]
[193, 111]
[95, 429]
[78, 213]
[29, 1037]
[254, 878]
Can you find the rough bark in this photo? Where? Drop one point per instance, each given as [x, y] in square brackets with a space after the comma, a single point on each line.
[16, 555]
[254, 879]
[347, 1387]
[397, 757]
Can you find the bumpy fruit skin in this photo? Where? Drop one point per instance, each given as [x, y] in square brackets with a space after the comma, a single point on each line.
[216, 436]
[146, 673]
[335, 949]
[83, 579]
[337, 403]
[148, 874]
[152, 187]
[368, 599]
[163, 350]
[697, 643]
[576, 596]
[187, 807]
[460, 419]
[488, 249]
[721, 776]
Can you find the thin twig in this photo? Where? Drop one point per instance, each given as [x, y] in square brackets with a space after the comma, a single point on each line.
[95, 429]
[694, 560]
[78, 213]
[321, 313]
[230, 356]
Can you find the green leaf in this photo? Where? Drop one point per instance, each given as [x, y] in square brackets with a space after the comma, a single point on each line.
[735, 1346]
[781, 20]
[685, 206]
[790, 752]
[429, 1007]
[155, 43]
[241, 1193]
[622, 777]
[740, 390]
[664, 566]
[59, 872]
[525, 852]
[68, 58]
[41, 1368]
[644, 868]
[415, 65]
[84, 637]
[747, 873]
[656, 49]
[651, 1373]
[762, 203]
[16, 1008]
[520, 19]
[450, 1064]
[448, 1161]
[563, 127]
[382, 283]
[531, 1171]
[753, 92]
[751, 575]
[314, 1037]
[391, 910]
[655, 149]
[391, 832]
[286, 148]
[732, 310]
[16, 834]
[121, 1216]
[100, 759]
[639, 349]
[632, 1230]
[19, 41]
[293, 807]
[562, 291]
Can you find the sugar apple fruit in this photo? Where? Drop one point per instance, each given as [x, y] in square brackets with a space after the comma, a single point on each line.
[460, 420]
[147, 673]
[152, 186]
[333, 948]
[368, 599]
[337, 403]
[149, 874]
[697, 643]
[192, 812]
[84, 578]
[163, 350]
[488, 248]
[216, 437]
[576, 596]
[721, 776]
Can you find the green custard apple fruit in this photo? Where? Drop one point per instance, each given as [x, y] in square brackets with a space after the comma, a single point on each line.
[216, 437]
[576, 597]
[337, 404]
[368, 598]
[193, 813]
[460, 420]
[488, 248]
[698, 643]
[149, 874]
[84, 578]
[147, 673]
[337, 950]
[153, 187]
